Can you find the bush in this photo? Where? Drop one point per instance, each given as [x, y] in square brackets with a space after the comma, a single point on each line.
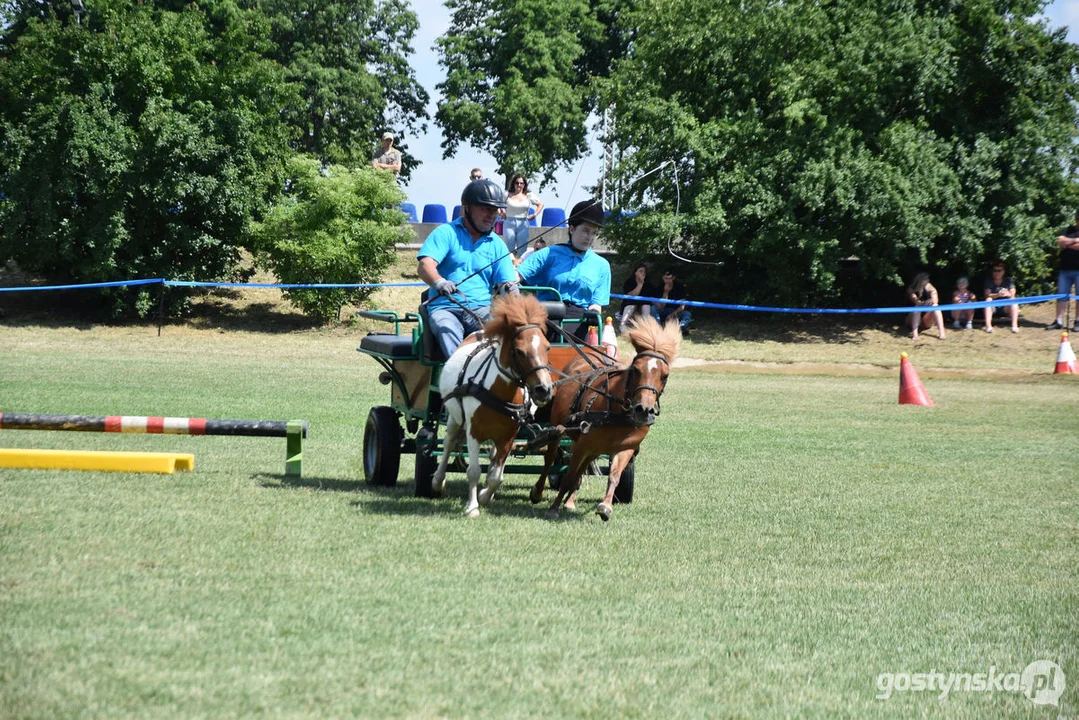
[332, 225]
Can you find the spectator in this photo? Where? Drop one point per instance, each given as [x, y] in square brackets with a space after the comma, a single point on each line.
[387, 157]
[537, 244]
[476, 174]
[922, 293]
[999, 286]
[465, 261]
[636, 284]
[673, 290]
[1068, 277]
[519, 204]
[582, 277]
[962, 295]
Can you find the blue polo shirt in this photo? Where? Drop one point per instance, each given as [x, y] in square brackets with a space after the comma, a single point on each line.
[458, 257]
[583, 279]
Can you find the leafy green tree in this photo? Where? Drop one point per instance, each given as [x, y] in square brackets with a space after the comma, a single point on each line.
[349, 59]
[139, 143]
[334, 225]
[516, 81]
[906, 134]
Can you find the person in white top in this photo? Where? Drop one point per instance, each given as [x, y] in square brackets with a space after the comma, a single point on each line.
[519, 210]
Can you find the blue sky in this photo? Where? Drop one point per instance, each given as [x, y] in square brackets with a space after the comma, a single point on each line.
[441, 181]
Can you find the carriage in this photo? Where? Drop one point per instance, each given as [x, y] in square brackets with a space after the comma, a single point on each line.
[414, 421]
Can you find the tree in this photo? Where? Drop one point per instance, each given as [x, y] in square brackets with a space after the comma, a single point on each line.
[349, 59]
[139, 143]
[515, 81]
[334, 225]
[907, 134]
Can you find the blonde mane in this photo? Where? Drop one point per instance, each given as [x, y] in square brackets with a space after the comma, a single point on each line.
[509, 312]
[647, 334]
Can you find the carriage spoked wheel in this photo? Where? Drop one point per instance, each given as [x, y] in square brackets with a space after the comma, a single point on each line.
[426, 464]
[381, 447]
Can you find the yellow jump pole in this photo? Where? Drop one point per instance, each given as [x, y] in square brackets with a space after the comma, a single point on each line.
[96, 460]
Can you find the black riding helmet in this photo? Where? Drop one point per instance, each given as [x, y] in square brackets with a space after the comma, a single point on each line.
[588, 211]
[483, 192]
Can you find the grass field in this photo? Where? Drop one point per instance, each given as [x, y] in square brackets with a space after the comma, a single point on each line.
[792, 538]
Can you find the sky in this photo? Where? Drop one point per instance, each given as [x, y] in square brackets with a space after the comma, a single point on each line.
[441, 181]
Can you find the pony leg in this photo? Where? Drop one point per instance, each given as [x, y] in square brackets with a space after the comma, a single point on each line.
[536, 494]
[449, 444]
[618, 464]
[569, 483]
[494, 473]
[472, 506]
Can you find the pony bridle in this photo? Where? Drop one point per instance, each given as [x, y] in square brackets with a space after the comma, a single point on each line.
[633, 390]
[514, 373]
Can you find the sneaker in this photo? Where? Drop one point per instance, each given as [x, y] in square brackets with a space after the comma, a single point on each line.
[989, 328]
[1055, 325]
[955, 324]
[969, 325]
[1015, 329]
[685, 331]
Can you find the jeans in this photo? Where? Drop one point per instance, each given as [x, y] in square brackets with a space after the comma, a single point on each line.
[451, 324]
[515, 235]
[661, 314]
[1066, 280]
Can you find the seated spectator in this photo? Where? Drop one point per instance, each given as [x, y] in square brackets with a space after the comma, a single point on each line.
[922, 293]
[672, 290]
[962, 295]
[574, 269]
[999, 286]
[636, 284]
[537, 244]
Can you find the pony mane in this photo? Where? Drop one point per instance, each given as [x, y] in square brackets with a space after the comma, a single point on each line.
[647, 334]
[512, 311]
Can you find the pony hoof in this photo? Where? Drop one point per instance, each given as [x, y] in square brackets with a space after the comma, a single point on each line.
[473, 511]
[552, 514]
[604, 511]
[570, 505]
[484, 498]
[534, 496]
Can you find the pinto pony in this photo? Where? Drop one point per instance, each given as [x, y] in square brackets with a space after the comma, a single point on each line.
[608, 410]
[486, 386]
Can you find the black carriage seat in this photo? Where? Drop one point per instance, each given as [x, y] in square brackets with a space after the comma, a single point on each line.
[432, 351]
[395, 346]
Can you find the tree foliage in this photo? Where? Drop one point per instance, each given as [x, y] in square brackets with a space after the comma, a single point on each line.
[138, 143]
[349, 59]
[908, 134]
[516, 80]
[335, 225]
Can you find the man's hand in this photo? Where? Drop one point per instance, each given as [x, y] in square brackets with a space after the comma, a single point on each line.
[445, 287]
[594, 308]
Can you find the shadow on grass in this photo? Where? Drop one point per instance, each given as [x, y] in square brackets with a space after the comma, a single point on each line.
[284, 482]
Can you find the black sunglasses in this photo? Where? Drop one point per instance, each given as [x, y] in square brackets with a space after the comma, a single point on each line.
[477, 177]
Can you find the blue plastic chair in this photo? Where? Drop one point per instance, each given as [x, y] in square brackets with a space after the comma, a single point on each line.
[553, 217]
[456, 212]
[410, 212]
[434, 213]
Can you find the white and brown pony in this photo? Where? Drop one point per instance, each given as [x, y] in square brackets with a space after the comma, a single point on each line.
[487, 386]
[608, 411]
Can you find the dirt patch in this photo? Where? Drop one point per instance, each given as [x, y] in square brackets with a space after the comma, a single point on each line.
[854, 370]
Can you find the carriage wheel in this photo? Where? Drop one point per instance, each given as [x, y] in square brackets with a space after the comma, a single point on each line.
[426, 464]
[624, 492]
[382, 447]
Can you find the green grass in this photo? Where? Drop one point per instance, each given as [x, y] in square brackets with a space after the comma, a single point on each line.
[791, 538]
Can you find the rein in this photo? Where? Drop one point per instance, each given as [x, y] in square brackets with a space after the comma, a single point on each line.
[584, 419]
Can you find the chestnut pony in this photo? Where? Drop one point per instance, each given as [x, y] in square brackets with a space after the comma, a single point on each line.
[608, 410]
[486, 387]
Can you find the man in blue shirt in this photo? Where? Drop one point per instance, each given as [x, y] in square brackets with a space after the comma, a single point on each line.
[573, 269]
[465, 260]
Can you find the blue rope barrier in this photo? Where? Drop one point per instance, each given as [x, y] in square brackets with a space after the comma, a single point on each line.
[288, 286]
[851, 311]
[86, 286]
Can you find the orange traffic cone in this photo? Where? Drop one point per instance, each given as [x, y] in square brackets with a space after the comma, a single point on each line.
[610, 340]
[593, 337]
[911, 390]
[1066, 362]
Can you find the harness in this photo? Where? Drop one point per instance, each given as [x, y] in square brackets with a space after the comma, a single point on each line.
[585, 418]
[518, 412]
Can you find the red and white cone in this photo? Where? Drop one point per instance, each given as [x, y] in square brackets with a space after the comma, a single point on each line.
[1066, 362]
[911, 390]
